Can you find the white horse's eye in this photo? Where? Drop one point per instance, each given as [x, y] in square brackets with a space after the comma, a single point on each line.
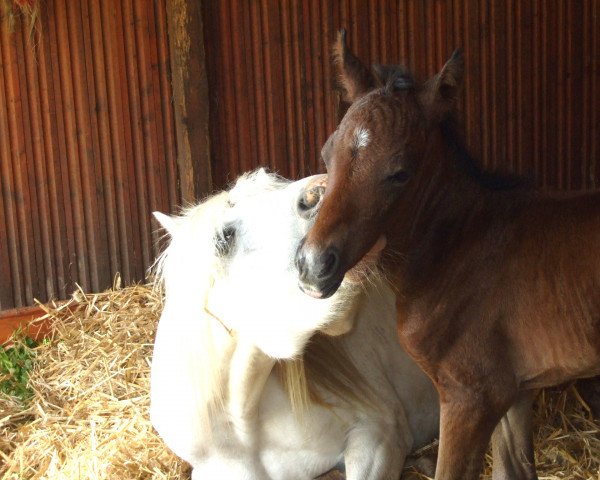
[225, 239]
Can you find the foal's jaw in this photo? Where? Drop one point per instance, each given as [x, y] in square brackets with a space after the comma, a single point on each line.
[344, 243]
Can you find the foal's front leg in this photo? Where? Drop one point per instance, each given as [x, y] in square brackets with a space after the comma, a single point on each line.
[466, 425]
[512, 441]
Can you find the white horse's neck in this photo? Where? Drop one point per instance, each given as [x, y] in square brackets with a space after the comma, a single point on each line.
[210, 373]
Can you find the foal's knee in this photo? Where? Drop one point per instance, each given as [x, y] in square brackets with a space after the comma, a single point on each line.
[468, 419]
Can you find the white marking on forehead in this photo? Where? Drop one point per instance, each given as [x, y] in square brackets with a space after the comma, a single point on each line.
[361, 137]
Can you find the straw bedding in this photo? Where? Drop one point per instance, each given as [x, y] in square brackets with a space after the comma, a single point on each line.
[89, 414]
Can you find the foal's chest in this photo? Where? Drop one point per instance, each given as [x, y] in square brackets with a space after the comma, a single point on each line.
[416, 335]
[454, 350]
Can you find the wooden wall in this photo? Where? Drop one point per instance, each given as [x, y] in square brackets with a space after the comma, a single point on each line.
[532, 95]
[87, 146]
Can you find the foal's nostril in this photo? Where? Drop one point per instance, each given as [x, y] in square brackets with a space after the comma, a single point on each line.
[317, 270]
[330, 263]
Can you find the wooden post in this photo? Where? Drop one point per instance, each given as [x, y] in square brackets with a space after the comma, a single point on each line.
[190, 97]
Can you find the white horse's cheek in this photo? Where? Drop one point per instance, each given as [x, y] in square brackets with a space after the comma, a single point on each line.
[286, 332]
[280, 322]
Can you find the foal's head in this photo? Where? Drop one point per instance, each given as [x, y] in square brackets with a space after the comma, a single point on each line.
[372, 159]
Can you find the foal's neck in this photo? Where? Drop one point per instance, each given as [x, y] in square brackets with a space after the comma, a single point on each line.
[450, 199]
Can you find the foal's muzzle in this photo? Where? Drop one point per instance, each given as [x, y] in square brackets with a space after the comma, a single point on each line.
[319, 270]
[319, 273]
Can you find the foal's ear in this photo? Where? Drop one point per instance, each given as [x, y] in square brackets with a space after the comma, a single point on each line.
[440, 93]
[354, 77]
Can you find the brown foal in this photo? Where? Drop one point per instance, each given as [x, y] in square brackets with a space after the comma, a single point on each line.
[498, 287]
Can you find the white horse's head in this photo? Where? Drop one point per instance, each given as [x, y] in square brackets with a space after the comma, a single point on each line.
[231, 283]
[233, 257]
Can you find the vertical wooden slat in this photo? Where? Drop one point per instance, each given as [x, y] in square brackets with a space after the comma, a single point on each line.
[190, 96]
[72, 181]
[167, 131]
[319, 94]
[18, 159]
[45, 251]
[112, 45]
[147, 192]
[301, 130]
[57, 165]
[288, 85]
[594, 123]
[239, 56]
[11, 267]
[138, 195]
[84, 124]
[99, 108]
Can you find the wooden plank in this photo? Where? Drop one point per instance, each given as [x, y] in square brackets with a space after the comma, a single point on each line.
[190, 97]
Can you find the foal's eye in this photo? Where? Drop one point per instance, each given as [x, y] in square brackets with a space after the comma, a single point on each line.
[225, 239]
[398, 178]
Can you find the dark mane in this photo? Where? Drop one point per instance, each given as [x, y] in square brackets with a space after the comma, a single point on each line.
[489, 180]
[394, 77]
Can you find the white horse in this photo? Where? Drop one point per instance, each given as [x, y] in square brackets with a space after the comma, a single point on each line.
[243, 386]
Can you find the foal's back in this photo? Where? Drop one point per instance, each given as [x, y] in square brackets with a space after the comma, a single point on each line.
[555, 279]
[532, 274]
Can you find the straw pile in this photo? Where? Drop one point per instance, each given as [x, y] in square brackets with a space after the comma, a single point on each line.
[89, 415]
[566, 438]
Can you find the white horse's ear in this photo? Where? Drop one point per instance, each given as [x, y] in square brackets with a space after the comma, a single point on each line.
[262, 173]
[167, 222]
